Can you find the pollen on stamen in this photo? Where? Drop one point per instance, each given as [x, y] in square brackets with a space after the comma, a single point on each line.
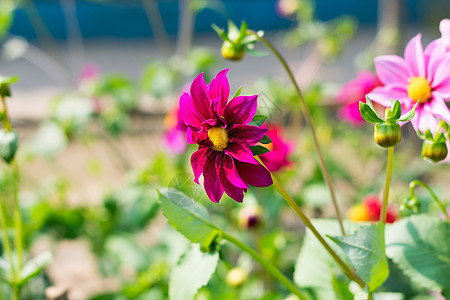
[219, 137]
[419, 89]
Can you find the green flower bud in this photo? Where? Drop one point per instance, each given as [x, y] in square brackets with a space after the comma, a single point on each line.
[232, 51]
[387, 135]
[434, 151]
[409, 206]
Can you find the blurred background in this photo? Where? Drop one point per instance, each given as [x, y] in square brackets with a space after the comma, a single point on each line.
[98, 90]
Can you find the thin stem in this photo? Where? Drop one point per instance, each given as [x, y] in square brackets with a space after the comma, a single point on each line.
[370, 296]
[5, 238]
[16, 292]
[441, 205]
[18, 222]
[313, 229]
[387, 184]
[6, 123]
[307, 115]
[185, 28]
[267, 265]
[157, 26]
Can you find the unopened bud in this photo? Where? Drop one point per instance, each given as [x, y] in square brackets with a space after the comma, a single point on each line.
[434, 151]
[231, 51]
[387, 135]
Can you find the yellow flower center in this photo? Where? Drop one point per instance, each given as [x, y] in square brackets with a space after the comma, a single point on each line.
[219, 137]
[419, 89]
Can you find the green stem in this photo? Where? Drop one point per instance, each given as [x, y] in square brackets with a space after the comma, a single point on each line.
[5, 238]
[16, 293]
[308, 118]
[18, 222]
[387, 184]
[441, 205]
[370, 296]
[313, 229]
[267, 265]
[6, 123]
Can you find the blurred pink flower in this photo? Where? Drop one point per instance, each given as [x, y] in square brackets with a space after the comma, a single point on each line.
[89, 71]
[286, 8]
[370, 211]
[416, 77]
[441, 44]
[175, 134]
[280, 149]
[354, 91]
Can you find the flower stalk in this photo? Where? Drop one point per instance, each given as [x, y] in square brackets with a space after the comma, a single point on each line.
[308, 118]
[267, 265]
[433, 195]
[387, 184]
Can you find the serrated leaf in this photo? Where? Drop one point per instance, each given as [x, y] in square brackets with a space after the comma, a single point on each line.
[265, 140]
[257, 120]
[368, 114]
[365, 249]
[193, 271]
[409, 115]
[238, 92]
[185, 215]
[34, 267]
[420, 246]
[259, 150]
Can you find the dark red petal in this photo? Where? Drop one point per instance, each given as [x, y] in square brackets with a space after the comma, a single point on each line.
[255, 175]
[248, 133]
[241, 152]
[188, 111]
[240, 110]
[212, 184]
[220, 88]
[231, 173]
[198, 160]
[200, 96]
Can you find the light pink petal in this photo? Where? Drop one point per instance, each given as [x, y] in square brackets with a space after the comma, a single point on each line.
[444, 28]
[255, 175]
[383, 94]
[231, 173]
[200, 96]
[443, 92]
[391, 69]
[424, 120]
[220, 88]
[188, 111]
[175, 141]
[438, 108]
[248, 133]
[441, 73]
[414, 57]
[198, 160]
[241, 152]
[240, 110]
[213, 187]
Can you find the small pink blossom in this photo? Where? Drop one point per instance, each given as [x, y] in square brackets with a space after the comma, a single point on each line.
[175, 134]
[354, 91]
[277, 157]
[418, 76]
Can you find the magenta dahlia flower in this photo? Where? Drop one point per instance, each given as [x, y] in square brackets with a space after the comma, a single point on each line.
[220, 128]
[354, 91]
[416, 77]
[280, 149]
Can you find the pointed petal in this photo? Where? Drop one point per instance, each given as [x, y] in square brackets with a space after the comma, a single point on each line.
[200, 96]
[255, 175]
[231, 173]
[391, 69]
[198, 160]
[248, 133]
[236, 193]
[414, 57]
[219, 87]
[240, 110]
[441, 73]
[383, 94]
[188, 111]
[438, 108]
[241, 152]
[213, 187]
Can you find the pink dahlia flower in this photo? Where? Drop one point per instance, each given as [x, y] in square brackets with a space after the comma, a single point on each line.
[354, 91]
[442, 44]
[277, 158]
[175, 135]
[416, 77]
[220, 128]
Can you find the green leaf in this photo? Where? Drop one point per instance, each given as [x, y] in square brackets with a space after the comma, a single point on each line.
[249, 50]
[368, 114]
[242, 32]
[369, 102]
[258, 120]
[5, 82]
[187, 216]
[259, 150]
[265, 140]
[315, 269]
[34, 267]
[220, 32]
[428, 134]
[238, 92]
[233, 31]
[9, 142]
[420, 246]
[409, 115]
[365, 250]
[193, 271]
[396, 112]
